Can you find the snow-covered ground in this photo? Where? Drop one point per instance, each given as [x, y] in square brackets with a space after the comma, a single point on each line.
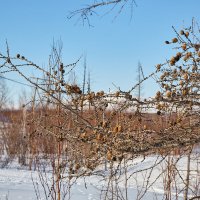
[16, 184]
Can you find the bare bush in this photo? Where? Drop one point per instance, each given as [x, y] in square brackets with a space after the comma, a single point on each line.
[80, 133]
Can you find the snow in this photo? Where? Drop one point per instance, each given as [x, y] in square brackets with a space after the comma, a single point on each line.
[17, 183]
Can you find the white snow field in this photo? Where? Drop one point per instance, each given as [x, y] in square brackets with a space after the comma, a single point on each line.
[17, 183]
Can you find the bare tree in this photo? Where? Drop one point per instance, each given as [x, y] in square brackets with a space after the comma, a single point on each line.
[86, 12]
[77, 131]
[3, 92]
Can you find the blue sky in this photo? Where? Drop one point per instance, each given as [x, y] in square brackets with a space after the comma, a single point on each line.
[113, 48]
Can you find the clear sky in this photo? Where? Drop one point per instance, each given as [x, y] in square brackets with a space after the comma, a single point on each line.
[113, 48]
